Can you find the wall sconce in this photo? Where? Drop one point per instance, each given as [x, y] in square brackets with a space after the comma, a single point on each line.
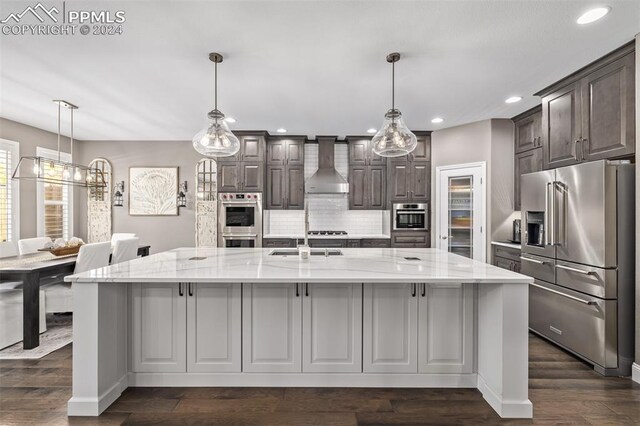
[118, 199]
[182, 195]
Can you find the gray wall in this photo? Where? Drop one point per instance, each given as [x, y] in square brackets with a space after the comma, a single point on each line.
[490, 141]
[161, 232]
[637, 377]
[30, 138]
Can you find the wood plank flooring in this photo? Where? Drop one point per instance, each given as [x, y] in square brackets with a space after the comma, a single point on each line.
[563, 390]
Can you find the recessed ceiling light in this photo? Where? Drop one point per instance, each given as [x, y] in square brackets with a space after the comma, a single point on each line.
[230, 119]
[371, 130]
[513, 99]
[437, 120]
[593, 15]
[281, 130]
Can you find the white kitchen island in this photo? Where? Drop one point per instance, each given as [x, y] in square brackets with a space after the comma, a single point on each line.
[375, 317]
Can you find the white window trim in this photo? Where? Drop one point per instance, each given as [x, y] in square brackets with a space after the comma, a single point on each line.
[14, 147]
[64, 156]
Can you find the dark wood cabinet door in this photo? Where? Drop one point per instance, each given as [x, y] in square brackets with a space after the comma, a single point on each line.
[375, 242]
[525, 162]
[252, 176]
[423, 149]
[276, 152]
[295, 152]
[561, 126]
[399, 181]
[420, 181]
[528, 132]
[276, 188]
[608, 111]
[252, 148]
[358, 151]
[228, 177]
[327, 243]
[503, 263]
[377, 188]
[358, 187]
[295, 187]
[278, 242]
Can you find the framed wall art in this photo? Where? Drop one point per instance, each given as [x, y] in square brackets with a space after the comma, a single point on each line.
[153, 191]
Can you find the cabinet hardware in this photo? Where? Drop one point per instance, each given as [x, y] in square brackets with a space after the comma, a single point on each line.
[297, 290]
[306, 289]
[424, 289]
[568, 296]
[584, 143]
[539, 262]
[190, 290]
[575, 155]
[413, 290]
[180, 292]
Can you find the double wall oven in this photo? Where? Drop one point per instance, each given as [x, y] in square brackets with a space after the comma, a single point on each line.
[410, 217]
[239, 220]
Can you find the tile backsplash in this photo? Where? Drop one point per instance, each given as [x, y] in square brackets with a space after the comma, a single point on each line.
[326, 212]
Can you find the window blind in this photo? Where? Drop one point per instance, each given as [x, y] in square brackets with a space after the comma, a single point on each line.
[6, 196]
[56, 208]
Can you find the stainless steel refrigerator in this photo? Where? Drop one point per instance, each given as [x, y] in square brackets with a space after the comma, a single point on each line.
[578, 235]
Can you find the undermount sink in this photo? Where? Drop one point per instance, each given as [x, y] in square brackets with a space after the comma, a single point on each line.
[314, 252]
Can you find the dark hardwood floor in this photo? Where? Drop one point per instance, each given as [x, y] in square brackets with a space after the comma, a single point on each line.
[562, 389]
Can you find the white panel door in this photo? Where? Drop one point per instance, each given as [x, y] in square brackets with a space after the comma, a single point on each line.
[214, 315]
[332, 328]
[445, 328]
[271, 328]
[390, 336]
[159, 321]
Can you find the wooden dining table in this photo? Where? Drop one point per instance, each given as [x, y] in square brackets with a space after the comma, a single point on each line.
[30, 269]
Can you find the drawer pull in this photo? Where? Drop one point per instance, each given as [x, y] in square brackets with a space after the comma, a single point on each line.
[579, 271]
[568, 296]
[555, 330]
[539, 262]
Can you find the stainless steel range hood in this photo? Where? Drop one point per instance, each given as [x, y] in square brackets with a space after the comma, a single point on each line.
[326, 180]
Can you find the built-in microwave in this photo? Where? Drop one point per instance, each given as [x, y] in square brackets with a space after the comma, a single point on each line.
[411, 217]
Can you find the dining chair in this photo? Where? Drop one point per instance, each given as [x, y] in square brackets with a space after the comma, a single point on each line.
[31, 245]
[121, 236]
[59, 296]
[124, 250]
[8, 249]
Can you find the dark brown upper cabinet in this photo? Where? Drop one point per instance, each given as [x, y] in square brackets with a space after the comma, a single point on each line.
[410, 176]
[252, 147]
[237, 176]
[285, 173]
[528, 130]
[525, 162]
[367, 176]
[590, 114]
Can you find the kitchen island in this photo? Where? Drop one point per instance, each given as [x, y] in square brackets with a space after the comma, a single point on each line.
[375, 317]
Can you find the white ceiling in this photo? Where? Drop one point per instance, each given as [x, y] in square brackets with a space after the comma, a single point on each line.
[312, 67]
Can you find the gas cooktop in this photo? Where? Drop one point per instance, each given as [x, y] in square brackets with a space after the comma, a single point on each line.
[328, 233]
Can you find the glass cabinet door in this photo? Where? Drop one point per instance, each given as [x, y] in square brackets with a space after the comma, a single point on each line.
[460, 215]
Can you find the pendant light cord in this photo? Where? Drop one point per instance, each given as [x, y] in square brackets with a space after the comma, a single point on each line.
[393, 85]
[59, 131]
[215, 85]
[72, 135]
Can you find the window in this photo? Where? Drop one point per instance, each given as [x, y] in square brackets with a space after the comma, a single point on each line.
[9, 193]
[55, 201]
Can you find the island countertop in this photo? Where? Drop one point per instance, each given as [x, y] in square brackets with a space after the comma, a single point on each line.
[251, 265]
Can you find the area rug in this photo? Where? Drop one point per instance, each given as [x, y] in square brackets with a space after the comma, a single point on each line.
[59, 333]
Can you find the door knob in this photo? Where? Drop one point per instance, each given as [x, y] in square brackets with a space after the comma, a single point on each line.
[444, 238]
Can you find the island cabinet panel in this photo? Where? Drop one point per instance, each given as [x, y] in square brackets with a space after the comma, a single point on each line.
[214, 315]
[332, 328]
[271, 328]
[159, 322]
[445, 328]
[390, 321]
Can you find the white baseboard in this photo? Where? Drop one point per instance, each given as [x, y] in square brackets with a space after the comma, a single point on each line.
[304, 380]
[79, 406]
[635, 372]
[505, 409]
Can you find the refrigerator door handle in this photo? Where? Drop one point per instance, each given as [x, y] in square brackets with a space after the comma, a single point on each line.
[568, 296]
[539, 262]
[579, 271]
[546, 215]
[549, 215]
[560, 238]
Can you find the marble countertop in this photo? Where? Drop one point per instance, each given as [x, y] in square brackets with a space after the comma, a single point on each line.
[331, 237]
[356, 265]
[507, 244]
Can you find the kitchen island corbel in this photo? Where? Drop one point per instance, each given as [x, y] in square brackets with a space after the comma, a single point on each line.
[374, 317]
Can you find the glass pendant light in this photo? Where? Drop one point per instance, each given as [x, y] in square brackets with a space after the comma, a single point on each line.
[54, 170]
[394, 138]
[216, 140]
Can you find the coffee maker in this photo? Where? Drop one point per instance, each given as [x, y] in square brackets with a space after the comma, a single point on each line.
[516, 231]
